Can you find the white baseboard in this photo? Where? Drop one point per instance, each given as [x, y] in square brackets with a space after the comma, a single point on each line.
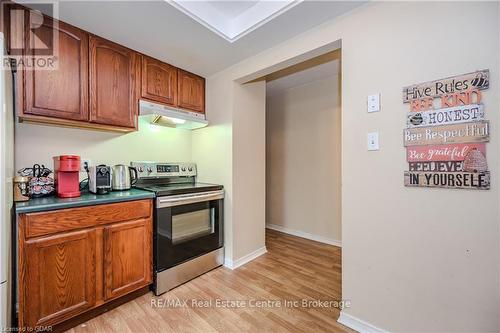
[303, 234]
[358, 325]
[243, 260]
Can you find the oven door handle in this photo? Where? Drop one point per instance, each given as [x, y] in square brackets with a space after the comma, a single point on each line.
[185, 199]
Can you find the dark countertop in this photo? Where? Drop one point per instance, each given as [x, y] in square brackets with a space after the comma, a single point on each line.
[86, 199]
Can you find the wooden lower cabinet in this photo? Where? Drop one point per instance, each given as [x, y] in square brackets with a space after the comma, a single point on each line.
[60, 277]
[127, 257]
[64, 273]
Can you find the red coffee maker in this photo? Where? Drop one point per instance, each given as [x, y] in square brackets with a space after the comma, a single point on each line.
[67, 176]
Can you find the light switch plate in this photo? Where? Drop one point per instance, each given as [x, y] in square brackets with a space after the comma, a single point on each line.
[373, 103]
[373, 141]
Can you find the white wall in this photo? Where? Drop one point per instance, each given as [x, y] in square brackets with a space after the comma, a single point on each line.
[412, 256]
[249, 169]
[38, 144]
[413, 259]
[303, 154]
[236, 137]
[212, 151]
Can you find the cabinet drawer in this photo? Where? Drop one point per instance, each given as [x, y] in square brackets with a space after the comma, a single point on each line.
[44, 223]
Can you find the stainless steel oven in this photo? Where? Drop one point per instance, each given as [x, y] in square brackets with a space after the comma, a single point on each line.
[188, 233]
[187, 225]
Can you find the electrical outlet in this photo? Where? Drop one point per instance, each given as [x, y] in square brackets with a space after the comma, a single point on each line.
[85, 162]
[373, 141]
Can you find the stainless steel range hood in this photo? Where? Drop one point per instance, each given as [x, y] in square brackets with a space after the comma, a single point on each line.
[163, 115]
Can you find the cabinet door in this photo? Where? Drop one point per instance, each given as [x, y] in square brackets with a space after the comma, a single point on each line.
[114, 84]
[61, 92]
[159, 81]
[59, 280]
[127, 257]
[191, 89]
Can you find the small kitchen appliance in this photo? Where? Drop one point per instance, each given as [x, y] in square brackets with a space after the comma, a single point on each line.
[100, 179]
[188, 222]
[67, 176]
[123, 177]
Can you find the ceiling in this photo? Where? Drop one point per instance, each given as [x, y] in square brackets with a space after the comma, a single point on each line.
[306, 76]
[233, 19]
[161, 30]
[232, 9]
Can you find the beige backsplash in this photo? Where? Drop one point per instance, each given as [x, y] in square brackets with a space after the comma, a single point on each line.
[39, 143]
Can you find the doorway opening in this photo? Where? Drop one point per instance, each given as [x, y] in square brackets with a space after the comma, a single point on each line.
[303, 165]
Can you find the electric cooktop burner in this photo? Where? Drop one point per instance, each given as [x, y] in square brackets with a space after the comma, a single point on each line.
[170, 178]
[179, 188]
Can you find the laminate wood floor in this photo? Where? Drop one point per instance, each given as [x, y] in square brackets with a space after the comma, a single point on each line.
[295, 270]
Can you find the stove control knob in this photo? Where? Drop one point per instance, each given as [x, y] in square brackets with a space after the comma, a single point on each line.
[183, 169]
[140, 169]
[190, 168]
[149, 169]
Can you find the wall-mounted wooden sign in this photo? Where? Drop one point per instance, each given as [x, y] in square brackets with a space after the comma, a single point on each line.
[451, 152]
[462, 98]
[437, 166]
[463, 180]
[446, 131]
[454, 115]
[457, 133]
[446, 101]
[449, 85]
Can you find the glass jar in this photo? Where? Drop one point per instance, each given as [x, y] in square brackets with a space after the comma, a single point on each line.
[21, 188]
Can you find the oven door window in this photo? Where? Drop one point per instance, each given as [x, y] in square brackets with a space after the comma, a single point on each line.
[187, 231]
[192, 224]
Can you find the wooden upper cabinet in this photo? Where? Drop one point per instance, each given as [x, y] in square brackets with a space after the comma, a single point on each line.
[14, 18]
[159, 81]
[166, 84]
[127, 257]
[95, 83]
[191, 90]
[61, 92]
[114, 83]
[59, 277]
